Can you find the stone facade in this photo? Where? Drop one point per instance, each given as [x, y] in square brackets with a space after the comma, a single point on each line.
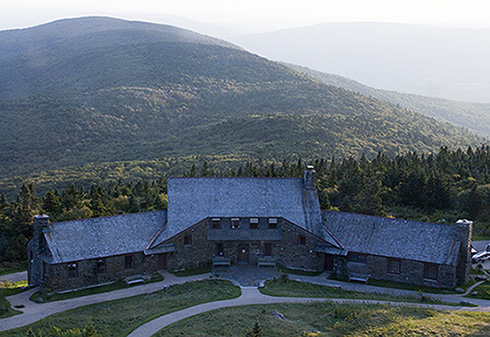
[289, 244]
[84, 273]
[398, 270]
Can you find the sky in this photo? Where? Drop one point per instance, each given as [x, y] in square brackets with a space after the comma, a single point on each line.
[254, 15]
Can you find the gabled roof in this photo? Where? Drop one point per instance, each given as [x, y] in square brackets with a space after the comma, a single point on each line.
[106, 236]
[404, 239]
[191, 200]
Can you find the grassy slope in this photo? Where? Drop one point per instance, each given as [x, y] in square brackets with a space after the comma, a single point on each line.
[138, 95]
[329, 319]
[118, 318]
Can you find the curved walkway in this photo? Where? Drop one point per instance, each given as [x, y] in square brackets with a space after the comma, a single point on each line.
[251, 295]
[33, 312]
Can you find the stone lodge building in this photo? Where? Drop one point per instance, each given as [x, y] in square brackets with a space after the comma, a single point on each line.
[260, 221]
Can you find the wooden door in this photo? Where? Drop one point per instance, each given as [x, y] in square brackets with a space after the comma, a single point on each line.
[242, 253]
[328, 262]
[162, 261]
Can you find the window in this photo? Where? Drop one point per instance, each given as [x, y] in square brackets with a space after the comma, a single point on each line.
[254, 223]
[101, 267]
[219, 249]
[430, 271]
[301, 240]
[268, 249]
[272, 223]
[128, 262]
[187, 240]
[355, 257]
[216, 223]
[235, 223]
[393, 266]
[73, 270]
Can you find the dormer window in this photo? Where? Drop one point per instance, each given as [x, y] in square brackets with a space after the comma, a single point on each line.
[272, 223]
[254, 223]
[216, 223]
[235, 223]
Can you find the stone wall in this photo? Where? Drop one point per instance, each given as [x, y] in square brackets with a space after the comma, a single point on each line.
[411, 272]
[59, 277]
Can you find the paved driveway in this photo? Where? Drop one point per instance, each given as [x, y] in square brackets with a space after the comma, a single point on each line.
[16, 277]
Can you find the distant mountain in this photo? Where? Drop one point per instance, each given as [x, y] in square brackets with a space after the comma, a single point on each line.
[474, 116]
[450, 63]
[99, 90]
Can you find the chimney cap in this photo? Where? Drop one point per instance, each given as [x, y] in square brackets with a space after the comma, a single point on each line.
[41, 216]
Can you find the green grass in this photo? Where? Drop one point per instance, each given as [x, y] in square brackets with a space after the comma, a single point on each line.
[11, 267]
[194, 271]
[121, 284]
[5, 307]
[333, 320]
[406, 286]
[120, 317]
[291, 288]
[475, 271]
[483, 291]
[282, 269]
[13, 288]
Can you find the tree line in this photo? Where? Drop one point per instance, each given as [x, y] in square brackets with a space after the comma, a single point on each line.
[439, 187]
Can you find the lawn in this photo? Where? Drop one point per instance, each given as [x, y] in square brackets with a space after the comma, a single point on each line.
[290, 288]
[11, 267]
[121, 284]
[12, 288]
[194, 271]
[5, 308]
[120, 317]
[483, 291]
[331, 319]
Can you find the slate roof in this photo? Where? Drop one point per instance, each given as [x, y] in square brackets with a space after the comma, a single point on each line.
[404, 239]
[106, 236]
[191, 200]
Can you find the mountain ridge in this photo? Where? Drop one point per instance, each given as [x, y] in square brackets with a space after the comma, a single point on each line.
[474, 116]
[125, 98]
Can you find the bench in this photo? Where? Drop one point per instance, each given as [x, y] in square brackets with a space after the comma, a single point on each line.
[134, 280]
[359, 277]
[221, 261]
[266, 261]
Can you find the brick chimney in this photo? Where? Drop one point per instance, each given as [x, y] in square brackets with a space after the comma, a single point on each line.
[310, 178]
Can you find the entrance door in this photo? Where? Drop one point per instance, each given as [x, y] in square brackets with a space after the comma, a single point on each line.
[328, 262]
[162, 261]
[242, 253]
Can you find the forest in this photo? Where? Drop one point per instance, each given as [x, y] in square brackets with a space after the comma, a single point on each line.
[441, 187]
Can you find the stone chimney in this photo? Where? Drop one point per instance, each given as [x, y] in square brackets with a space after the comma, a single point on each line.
[464, 232]
[310, 178]
[35, 248]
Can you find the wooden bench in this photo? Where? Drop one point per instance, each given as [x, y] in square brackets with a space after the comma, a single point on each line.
[266, 261]
[221, 261]
[359, 277]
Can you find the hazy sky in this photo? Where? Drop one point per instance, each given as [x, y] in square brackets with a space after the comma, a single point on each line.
[263, 14]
